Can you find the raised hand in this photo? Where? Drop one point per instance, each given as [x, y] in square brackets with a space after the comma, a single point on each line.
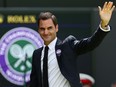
[106, 13]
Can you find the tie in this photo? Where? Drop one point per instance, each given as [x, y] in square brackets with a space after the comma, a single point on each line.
[45, 68]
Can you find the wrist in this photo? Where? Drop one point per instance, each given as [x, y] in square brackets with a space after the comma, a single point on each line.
[104, 25]
[107, 29]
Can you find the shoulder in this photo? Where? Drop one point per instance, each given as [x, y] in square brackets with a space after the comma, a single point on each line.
[70, 41]
[37, 50]
[70, 38]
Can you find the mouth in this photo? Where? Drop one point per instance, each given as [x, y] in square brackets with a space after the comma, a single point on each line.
[46, 36]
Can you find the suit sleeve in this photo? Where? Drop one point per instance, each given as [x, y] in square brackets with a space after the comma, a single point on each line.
[87, 44]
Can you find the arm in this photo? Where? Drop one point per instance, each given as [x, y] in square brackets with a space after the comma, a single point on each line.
[88, 44]
[106, 13]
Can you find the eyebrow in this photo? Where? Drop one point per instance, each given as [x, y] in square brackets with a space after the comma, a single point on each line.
[44, 28]
[49, 27]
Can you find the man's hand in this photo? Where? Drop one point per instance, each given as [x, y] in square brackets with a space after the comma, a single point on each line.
[106, 13]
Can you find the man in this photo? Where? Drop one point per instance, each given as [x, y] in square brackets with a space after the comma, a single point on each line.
[62, 55]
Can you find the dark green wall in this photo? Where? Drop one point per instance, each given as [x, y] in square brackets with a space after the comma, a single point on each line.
[104, 57]
[53, 3]
[1, 3]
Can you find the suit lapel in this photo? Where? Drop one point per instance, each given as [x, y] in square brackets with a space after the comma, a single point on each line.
[58, 50]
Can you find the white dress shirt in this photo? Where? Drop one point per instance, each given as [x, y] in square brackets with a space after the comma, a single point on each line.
[56, 79]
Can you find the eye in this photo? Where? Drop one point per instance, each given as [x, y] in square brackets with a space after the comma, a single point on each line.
[49, 28]
[42, 29]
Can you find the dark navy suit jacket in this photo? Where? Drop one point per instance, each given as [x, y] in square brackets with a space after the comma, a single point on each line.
[66, 52]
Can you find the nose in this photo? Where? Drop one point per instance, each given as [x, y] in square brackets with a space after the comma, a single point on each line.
[46, 31]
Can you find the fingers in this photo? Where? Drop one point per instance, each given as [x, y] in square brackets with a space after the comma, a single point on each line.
[112, 8]
[108, 6]
[105, 4]
[99, 8]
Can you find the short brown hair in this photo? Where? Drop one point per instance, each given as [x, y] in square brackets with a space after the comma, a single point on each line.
[47, 15]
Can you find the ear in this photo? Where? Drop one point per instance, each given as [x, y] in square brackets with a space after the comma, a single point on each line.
[57, 28]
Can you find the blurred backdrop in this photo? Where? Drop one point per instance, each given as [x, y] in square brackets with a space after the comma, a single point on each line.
[19, 38]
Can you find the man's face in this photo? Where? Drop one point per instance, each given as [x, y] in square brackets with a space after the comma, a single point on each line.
[47, 30]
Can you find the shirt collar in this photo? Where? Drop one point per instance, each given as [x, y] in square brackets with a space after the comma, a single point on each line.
[52, 44]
